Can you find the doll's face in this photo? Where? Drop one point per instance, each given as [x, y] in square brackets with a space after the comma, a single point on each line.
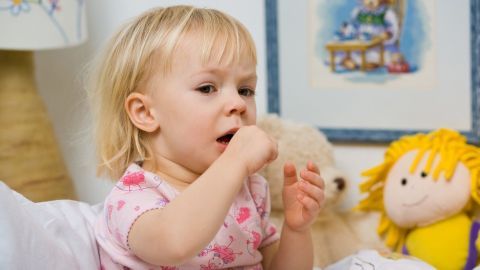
[371, 4]
[415, 199]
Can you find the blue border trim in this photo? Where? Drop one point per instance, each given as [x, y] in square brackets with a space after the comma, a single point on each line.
[370, 135]
[474, 134]
[272, 57]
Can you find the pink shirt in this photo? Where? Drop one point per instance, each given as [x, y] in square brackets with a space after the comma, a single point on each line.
[236, 245]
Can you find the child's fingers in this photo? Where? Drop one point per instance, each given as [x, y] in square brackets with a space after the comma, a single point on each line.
[312, 191]
[313, 178]
[312, 167]
[308, 203]
[289, 174]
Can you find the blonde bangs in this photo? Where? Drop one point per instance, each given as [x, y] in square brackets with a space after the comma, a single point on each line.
[224, 40]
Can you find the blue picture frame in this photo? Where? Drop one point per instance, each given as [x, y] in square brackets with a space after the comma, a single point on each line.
[359, 135]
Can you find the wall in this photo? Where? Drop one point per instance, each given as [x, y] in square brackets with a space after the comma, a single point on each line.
[60, 75]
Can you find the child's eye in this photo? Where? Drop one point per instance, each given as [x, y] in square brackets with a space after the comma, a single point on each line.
[246, 92]
[206, 89]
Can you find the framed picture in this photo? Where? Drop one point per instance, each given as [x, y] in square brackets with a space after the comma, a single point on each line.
[372, 71]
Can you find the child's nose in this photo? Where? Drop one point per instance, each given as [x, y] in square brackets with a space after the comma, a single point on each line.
[236, 104]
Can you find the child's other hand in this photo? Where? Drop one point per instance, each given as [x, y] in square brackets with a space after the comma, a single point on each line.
[253, 147]
[302, 199]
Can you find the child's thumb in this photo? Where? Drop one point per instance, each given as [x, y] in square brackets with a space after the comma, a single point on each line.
[289, 174]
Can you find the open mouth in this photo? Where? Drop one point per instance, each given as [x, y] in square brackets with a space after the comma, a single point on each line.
[225, 139]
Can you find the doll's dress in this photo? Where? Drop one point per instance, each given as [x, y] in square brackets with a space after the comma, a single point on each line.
[447, 244]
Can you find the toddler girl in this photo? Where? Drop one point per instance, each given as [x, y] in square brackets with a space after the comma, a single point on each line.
[175, 97]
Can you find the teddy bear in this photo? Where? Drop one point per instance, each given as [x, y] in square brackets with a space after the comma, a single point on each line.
[335, 233]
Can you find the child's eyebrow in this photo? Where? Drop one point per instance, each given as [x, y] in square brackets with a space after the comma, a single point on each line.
[249, 75]
[215, 71]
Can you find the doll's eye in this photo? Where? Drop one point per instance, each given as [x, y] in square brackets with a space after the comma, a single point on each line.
[404, 181]
[423, 174]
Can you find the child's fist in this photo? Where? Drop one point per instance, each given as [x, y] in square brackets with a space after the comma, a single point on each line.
[253, 147]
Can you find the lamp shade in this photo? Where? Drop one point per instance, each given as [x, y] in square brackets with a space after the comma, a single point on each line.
[30, 159]
[41, 24]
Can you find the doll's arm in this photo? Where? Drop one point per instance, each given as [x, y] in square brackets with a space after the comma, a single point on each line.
[179, 231]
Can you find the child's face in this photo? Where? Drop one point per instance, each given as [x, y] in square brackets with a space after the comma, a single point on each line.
[416, 199]
[197, 104]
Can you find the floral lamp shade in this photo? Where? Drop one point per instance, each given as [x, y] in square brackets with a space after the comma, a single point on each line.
[42, 24]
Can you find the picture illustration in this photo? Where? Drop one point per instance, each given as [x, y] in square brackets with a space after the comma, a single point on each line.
[379, 37]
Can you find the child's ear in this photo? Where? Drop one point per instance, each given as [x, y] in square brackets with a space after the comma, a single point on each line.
[138, 108]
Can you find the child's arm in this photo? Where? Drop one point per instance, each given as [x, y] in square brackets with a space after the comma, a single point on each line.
[302, 202]
[171, 235]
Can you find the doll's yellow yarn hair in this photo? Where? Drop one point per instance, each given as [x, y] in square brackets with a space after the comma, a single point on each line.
[452, 148]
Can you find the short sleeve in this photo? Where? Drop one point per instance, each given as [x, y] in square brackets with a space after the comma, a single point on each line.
[136, 193]
[261, 195]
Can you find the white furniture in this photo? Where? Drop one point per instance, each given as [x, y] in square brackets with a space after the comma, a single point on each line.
[47, 235]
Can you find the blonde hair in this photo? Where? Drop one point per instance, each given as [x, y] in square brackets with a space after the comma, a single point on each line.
[452, 148]
[146, 42]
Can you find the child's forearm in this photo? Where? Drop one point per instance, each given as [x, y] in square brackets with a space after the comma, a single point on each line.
[295, 250]
[198, 212]
[201, 209]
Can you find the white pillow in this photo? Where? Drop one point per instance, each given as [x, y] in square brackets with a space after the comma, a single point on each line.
[47, 235]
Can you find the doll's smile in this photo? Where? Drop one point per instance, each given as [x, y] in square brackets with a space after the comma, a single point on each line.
[415, 203]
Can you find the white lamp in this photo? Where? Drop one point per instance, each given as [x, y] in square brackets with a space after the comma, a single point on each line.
[30, 160]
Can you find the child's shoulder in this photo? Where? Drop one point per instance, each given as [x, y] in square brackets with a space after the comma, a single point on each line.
[141, 184]
[136, 178]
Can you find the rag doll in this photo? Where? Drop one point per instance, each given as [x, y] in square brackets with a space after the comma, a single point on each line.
[426, 190]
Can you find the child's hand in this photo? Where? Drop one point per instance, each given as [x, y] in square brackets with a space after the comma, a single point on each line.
[253, 147]
[302, 199]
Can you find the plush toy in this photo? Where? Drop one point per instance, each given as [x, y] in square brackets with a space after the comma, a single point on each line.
[335, 234]
[426, 189]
